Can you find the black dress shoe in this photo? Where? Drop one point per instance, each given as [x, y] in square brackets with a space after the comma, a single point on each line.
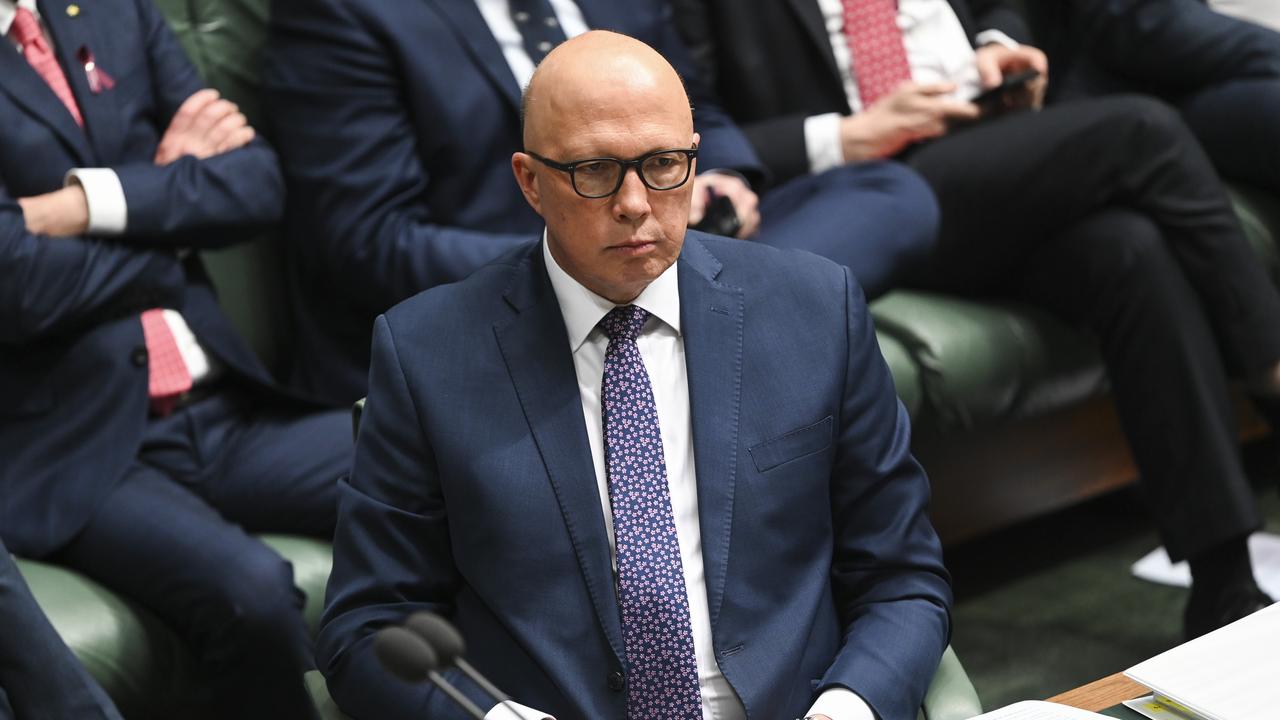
[1206, 614]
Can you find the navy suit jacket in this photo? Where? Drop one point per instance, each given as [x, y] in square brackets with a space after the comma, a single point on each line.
[1167, 48]
[396, 122]
[73, 365]
[473, 495]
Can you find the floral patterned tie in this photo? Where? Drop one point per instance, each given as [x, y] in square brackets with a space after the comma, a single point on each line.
[658, 637]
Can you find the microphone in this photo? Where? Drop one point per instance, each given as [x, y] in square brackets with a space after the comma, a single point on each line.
[449, 648]
[407, 656]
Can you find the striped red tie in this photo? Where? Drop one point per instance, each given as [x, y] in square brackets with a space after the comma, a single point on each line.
[875, 44]
[25, 30]
[168, 376]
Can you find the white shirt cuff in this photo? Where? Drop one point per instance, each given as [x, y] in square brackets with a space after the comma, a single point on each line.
[840, 703]
[108, 211]
[822, 142]
[512, 710]
[986, 37]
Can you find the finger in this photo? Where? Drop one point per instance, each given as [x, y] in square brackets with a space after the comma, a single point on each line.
[988, 62]
[238, 139]
[191, 107]
[958, 110]
[749, 226]
[211, 115]
[934, 89]
[698, 203]
[222, 131]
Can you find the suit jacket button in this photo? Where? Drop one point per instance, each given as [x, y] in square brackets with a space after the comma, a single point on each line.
[617, 681]
[139, 356]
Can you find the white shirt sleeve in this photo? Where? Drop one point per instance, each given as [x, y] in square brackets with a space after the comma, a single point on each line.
[822, 142]
[512, 710]
[986, 37]
[108, 211]
[840, 703]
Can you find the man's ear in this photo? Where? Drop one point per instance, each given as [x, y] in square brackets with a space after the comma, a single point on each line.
[526, 178]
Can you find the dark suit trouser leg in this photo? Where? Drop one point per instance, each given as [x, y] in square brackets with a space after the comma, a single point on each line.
[1107, 212]
[167, 537]
[1114, 272]
[1007, 184]
[1239, 125]
[39, 677]
[879, 220]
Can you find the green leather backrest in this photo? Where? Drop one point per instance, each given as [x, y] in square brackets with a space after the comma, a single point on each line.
[224, 38]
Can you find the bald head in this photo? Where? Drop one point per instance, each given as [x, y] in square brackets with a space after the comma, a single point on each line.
[596, 76]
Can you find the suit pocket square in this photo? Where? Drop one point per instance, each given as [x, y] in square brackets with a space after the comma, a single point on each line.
[97, 78]
[792, 446]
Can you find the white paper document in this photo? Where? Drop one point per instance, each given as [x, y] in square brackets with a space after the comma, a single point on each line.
[1264, 547]
[1229, 674]
[1038, 710]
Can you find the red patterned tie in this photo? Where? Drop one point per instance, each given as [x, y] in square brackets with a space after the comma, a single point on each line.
[875, 44]
[25, 30]
[168, 376]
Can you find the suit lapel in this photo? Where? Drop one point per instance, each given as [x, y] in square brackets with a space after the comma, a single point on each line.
[28, 89]
[711, 316]
[535, 347]
[474, 33]
[810, 17]
[74, 36]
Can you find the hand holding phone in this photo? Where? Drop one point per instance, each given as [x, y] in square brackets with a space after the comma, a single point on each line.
[993, 99]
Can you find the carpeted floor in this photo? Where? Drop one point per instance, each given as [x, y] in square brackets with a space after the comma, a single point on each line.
[1049, 605]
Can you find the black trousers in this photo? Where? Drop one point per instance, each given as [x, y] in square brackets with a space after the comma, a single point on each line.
[173, 536]
[1107, 212]
[39, 677]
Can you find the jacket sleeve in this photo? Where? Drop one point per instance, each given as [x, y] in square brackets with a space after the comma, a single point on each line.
[995, 15]
[1174, 45]
[54, 285]
[392, 552]
[178, 202]
[357, 184]
[891, 589]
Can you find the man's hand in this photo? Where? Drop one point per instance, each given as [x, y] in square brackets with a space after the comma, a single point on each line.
[745, 201]
[61, 213]
[205, 125]
[994, 61]
[907, 115]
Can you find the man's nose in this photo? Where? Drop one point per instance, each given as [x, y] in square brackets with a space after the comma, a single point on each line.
[631, 202]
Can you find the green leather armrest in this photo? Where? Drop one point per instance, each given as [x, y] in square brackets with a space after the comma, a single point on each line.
[951, 696]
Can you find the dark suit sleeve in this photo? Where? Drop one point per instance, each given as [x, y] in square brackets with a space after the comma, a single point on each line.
[175, 202]
[994, 15]
[392, 555]
[52, 285]
[724, 145]
[891, 589]
[1174, 45]
[357, 184]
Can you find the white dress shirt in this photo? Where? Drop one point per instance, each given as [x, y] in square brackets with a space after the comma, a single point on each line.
[108, 213]
[938, 50]
[1263, 12]
[497, 15]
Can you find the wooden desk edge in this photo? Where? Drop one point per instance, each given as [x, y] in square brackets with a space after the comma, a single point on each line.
[1102, 694]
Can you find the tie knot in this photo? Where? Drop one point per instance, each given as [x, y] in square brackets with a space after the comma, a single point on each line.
[25, 28]
[624, 322]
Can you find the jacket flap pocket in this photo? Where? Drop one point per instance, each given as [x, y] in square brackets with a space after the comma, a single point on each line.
[795, 444]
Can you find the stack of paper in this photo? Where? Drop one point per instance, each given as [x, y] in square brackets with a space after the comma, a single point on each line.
[1229, 674]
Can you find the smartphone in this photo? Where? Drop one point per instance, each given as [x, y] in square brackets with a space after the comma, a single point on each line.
[719, 218]
[991, 97]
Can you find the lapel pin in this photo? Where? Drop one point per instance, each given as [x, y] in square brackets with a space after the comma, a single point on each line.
[73, 10]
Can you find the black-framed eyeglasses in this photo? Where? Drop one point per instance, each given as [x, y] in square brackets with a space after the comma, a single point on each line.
[601, 177]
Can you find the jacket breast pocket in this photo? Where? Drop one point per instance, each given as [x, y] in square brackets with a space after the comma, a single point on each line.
[794, 445]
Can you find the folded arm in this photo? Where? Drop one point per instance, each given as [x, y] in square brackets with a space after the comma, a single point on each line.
[52, 285]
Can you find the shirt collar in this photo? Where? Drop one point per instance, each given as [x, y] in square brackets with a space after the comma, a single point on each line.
[583, 309]
[8, 8]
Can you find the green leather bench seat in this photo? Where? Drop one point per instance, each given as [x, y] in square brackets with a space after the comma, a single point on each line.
[905, 372]
[981, 362]
[141, 664]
